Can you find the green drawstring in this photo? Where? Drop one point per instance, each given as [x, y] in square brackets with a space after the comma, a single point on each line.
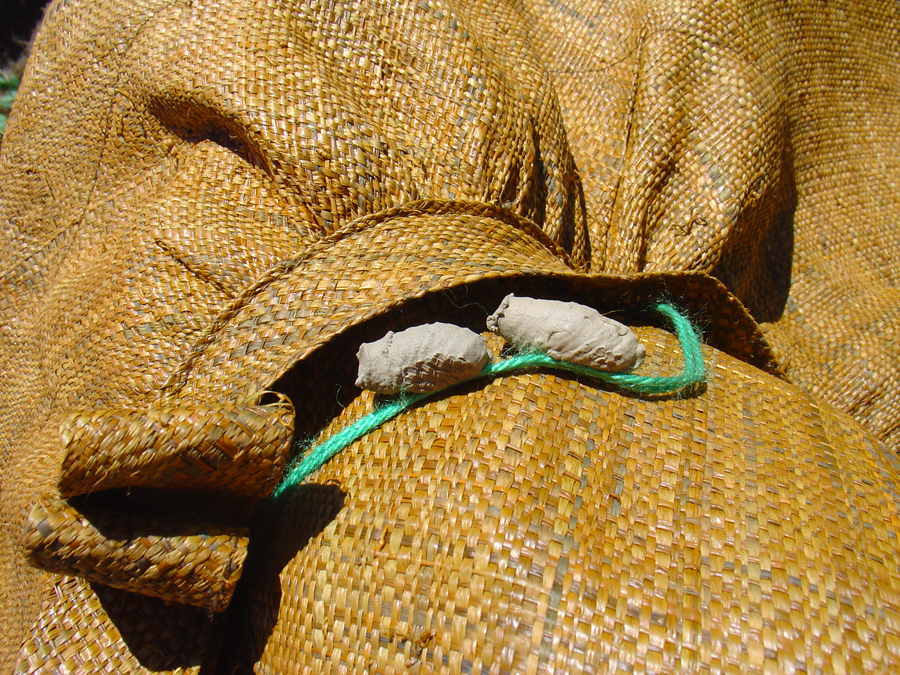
[694, 372]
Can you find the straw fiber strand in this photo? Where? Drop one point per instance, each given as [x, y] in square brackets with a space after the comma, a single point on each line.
[207, 202]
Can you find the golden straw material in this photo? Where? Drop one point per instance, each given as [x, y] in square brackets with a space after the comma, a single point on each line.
[756, 142]
[540, 524]
[306, 302]
[159, 557]
[240, 450]
[203, 203]
[84, 625]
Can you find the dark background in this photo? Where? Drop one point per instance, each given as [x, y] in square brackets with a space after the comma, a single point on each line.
[18, 19]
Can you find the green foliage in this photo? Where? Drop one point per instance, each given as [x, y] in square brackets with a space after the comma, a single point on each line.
[9, 85]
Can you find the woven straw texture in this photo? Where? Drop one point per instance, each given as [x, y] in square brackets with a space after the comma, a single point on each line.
[538, 524]
[207, 207]
[238, 449]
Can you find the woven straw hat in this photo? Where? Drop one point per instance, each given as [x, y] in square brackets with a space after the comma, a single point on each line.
[208, 207]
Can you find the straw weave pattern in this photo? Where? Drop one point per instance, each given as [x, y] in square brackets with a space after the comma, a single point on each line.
[241, 449]
[124, 551]
[207, 207]
[541, 524]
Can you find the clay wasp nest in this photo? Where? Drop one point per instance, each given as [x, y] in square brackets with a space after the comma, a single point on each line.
[421, 359]
[567, 331]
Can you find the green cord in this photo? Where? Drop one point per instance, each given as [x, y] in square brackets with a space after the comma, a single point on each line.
[694, 372]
